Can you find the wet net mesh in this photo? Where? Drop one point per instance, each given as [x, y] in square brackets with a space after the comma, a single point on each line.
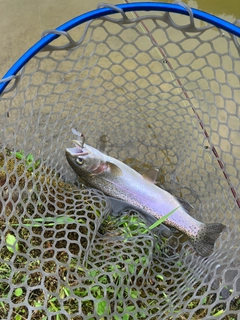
[159, 91]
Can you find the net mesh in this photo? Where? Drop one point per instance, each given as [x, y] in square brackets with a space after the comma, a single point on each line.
[158, 91]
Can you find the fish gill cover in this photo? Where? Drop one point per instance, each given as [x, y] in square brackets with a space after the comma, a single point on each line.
[161, 96]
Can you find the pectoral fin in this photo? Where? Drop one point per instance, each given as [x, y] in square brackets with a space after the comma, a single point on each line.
[115, 170]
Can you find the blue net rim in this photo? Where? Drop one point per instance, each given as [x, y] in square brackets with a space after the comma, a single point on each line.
[137, 6]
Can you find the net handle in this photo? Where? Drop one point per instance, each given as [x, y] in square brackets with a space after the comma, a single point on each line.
[100, 12]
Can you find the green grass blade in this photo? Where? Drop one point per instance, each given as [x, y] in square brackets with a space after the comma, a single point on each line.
[164, 218]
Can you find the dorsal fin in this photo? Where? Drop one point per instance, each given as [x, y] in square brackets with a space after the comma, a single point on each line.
[102, 143]
[151, 175]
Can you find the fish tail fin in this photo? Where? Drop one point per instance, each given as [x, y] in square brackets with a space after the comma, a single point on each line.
[205, 239]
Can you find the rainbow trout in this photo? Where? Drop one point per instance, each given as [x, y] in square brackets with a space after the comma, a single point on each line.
[118, 180]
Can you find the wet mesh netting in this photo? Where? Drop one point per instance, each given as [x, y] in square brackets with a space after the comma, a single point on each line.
[159, 91]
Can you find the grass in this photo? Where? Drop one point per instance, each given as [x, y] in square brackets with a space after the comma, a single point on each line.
[30, 162]
[57, 259]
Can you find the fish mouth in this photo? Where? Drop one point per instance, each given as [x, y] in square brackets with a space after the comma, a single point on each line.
[79, 150]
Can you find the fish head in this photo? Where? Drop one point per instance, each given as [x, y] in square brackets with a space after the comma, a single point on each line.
[86, 160]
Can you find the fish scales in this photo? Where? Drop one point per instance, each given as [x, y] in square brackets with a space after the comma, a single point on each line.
[118, 180]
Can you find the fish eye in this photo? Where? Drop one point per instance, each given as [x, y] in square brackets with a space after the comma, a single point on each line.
[79, 161]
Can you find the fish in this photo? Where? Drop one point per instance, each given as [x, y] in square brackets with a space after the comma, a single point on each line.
[118, 180]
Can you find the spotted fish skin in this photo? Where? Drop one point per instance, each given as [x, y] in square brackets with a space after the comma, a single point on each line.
[118, 180]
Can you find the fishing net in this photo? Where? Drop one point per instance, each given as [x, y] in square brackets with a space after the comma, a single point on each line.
[157, 90]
